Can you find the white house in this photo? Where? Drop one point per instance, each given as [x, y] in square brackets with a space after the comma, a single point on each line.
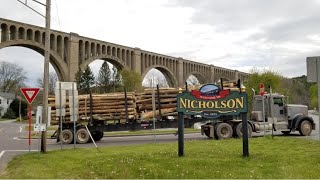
[5, 101]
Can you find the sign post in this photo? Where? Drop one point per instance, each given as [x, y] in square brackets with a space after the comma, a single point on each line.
[180, 134]
[313, 75]
[30, 94]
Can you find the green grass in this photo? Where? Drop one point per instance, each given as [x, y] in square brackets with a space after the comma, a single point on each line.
[281, 157]
[149, 132]
[5, 119]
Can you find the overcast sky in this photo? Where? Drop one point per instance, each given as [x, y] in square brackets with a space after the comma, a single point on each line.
[235, 34]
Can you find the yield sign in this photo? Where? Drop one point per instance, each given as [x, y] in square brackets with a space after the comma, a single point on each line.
[30, 93]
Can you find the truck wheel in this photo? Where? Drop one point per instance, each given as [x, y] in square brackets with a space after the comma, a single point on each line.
[286, 132]
[82, 136]
[97, 135]
[305, 128]
[66, 136]
[223, 131]
[238, 130]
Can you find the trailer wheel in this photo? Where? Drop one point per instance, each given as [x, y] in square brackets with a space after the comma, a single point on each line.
[66, 136]
[223, 131]
[238, 130]
[97, 135]
[82, 136]
[305, 128]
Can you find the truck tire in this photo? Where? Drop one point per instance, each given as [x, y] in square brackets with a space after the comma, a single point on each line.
[66, 136]
[223, 131]
[82, 136]
[286, 132]
[97, 135]
[238, 130]
[305, 128]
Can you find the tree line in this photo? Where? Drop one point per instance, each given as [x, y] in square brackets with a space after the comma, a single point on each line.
[108, 80]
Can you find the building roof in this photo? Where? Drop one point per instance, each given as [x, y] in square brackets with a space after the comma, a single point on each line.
[7, 95]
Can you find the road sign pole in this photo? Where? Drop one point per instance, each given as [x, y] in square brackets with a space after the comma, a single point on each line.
[29, 132]
[245, 142]
[30, 94]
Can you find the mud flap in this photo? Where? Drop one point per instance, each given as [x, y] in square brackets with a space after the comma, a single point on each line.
[211, 131]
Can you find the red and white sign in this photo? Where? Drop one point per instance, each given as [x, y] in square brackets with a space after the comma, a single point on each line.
[261, 89]
[30, 93]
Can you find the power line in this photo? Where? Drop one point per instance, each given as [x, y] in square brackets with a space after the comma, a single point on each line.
[58, 14]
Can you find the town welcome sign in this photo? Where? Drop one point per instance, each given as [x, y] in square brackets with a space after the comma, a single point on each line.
[212, 102]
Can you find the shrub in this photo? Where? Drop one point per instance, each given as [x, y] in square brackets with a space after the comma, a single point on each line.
[15, 107]
[9, 114]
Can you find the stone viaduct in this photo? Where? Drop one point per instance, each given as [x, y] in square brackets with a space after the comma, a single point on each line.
[69, 51]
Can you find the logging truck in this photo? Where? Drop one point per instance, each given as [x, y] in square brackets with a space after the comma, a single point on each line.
[99, 113]
[270, 112]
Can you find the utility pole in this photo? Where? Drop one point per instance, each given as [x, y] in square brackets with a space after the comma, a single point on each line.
[46, 77]
[46, 68]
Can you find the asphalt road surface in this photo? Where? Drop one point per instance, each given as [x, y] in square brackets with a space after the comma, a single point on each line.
[11, 145]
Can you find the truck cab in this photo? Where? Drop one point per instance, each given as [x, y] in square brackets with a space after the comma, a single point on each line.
[271, 111]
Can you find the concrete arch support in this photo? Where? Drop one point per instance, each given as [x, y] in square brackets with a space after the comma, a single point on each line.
[56, 61]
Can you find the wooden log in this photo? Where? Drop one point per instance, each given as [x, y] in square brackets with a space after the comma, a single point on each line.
[156, 100]
[97, 112]
[149, 115]
[161, 96]
[107, 103]
[163, 106]
[104, 118]
[112, 110]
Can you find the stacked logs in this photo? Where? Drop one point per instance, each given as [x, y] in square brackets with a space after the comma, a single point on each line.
[167, 103]
[111, 106]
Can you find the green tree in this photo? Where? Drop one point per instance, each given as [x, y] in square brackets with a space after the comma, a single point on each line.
[267, 77]
[15, 107]
[87, 80]
[313, 90]
[131, 80]
[78, 78]
[104, 77]
[296, 89]
[116, 79]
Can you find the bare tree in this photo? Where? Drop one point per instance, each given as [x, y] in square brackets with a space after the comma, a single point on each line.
[52, 82]
[11, 75]
[157, 78]
[192, 80]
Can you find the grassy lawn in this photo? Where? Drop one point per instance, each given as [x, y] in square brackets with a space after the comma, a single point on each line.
[281, 157]
[150, 132]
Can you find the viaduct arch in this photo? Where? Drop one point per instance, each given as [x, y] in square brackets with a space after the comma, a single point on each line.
[69, 51]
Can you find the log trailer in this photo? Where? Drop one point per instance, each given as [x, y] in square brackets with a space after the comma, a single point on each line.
[117, 112]
[269, 113]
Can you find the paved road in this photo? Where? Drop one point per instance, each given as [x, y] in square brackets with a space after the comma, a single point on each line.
[11, 146]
